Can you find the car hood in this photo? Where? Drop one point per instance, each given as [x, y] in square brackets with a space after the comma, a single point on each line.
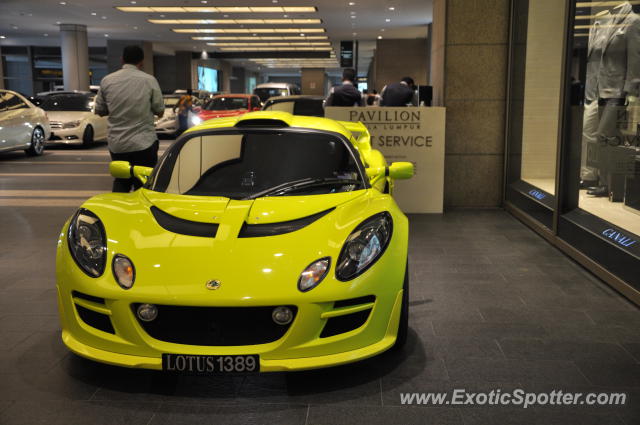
[65, 116]
[205, 114]
[174, 265]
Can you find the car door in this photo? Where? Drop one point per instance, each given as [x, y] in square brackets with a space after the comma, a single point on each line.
[12, 122]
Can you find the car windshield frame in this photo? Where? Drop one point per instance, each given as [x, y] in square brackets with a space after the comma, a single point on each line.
[170, 156]
[244, 107]
[44, 102]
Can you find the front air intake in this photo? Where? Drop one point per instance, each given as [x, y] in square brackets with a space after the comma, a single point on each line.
[182, 226]
[274, 229]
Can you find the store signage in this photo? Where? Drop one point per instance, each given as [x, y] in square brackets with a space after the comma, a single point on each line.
[346, 54]
[414, 134]
[619, 238]
[537, 194]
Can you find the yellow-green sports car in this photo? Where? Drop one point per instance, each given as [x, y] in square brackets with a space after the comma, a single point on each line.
[260, 243]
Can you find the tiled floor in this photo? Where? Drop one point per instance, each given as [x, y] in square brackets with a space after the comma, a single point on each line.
[493, 307]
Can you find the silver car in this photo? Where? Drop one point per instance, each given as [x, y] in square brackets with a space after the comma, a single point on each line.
[22, 125]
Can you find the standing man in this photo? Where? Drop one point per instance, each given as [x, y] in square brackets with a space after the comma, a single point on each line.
[399, 94]
[131, 97]
[345, 94]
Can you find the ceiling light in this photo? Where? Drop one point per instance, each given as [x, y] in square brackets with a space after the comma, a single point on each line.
[45, 34]
[133, 2]
[387, 20]
[261, 38]
[382, 29]
[104, 17]
[3, 36]
[203, 1]
[93, 13]
[352, 3]
[106, 35]
[274, 1]
[379, 37]
[285, 16]
[276, 43]
[135, 28]
[58, 22]
[246, 30]
[211, 9]
[236, 21]
[63, 3]
[392, 8]
[162, 16]
[353, 16]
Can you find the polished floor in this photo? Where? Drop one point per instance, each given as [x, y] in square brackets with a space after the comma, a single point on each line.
[493, 306]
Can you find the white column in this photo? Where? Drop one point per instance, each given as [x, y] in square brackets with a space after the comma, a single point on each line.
[75, 56]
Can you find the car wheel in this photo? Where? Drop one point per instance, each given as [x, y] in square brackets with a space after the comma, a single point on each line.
[403, 326]
[87, 136]
[37, 142]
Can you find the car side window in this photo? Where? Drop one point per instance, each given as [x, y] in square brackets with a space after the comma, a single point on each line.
[11, 102]
[3, 100]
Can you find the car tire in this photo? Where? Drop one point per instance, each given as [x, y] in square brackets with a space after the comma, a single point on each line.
[37, 142]
[403, 326]
[87, 136]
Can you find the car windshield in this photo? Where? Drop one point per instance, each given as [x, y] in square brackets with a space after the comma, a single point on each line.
[227, 104]
[265, 93]
[253, 163]
[66, 102]
[170, 102]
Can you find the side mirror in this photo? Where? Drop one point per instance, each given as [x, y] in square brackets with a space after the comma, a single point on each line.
[401, 170]
[124, 170]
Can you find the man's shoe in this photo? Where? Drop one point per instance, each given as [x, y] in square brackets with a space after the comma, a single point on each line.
[598, 191]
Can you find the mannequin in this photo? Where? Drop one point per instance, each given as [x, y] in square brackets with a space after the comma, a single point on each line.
[614, 78]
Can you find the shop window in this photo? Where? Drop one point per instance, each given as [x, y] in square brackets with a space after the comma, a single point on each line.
[535, 104]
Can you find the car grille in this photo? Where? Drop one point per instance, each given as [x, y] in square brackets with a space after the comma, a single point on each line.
[214, 326]
[55, 125]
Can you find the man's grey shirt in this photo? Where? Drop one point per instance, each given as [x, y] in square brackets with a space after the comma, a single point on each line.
[131, 98]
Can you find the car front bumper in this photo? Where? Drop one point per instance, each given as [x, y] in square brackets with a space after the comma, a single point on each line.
[67, 136]
[167, 127]
[301, 347]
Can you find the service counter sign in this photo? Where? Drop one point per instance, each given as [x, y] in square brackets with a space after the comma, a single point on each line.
[414, 134]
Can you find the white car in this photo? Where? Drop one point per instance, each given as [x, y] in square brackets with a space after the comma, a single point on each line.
[22, 124]
[168, 125]
[72, 119]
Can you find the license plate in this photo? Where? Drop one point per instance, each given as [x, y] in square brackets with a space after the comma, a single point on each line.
[205, 365]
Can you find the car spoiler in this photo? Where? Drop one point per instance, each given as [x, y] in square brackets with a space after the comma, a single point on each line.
[360, 134]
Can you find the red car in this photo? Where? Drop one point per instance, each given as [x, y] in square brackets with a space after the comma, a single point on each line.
[229, 105]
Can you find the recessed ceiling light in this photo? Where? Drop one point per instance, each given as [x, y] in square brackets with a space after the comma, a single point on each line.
[58, 22]
[15, 27]
[274, 1]
[63, 3]
[379, 37]
[387, 20]
[219, 9]
[93, 13]
[103, 17]
[392, 8]
[225, 16]
[353, 16]
[45, 34]
[351, 3]
[135, 28]
[106, 35]
[203, 1]
[353, 12]
[301, 34]
[382, 30]
[133, 2]
[162, 16]
[3, 36]
[355, 33]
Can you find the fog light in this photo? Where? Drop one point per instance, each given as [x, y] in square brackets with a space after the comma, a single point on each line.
[313, 274]
[282, 315]
[123, 271]
[147, 312]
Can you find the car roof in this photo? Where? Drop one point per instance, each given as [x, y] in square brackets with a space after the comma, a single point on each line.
[278, 99]
[58, 92]
[275, 85]
[269, 117]
[233, 95]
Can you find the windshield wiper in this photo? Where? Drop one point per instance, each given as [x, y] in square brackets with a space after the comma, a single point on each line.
[303, 183]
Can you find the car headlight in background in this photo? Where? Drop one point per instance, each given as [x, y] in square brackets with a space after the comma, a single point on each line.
[364, 246]
[88, 242]
[123, 271]
[195, 120]
[71, 124]
[313, 274]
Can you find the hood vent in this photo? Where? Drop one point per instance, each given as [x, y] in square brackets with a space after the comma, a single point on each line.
[262, 123]
[182, 226]
[273, 229]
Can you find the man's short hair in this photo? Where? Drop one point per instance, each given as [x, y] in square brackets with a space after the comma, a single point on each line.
[132, 55]
[408, 80]
[349, 74]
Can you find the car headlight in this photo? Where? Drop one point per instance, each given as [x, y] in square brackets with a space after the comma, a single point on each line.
[195, 120]
[364, 246]
[71, 124]
[313, 274]
[88, 242]
[123, 271]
